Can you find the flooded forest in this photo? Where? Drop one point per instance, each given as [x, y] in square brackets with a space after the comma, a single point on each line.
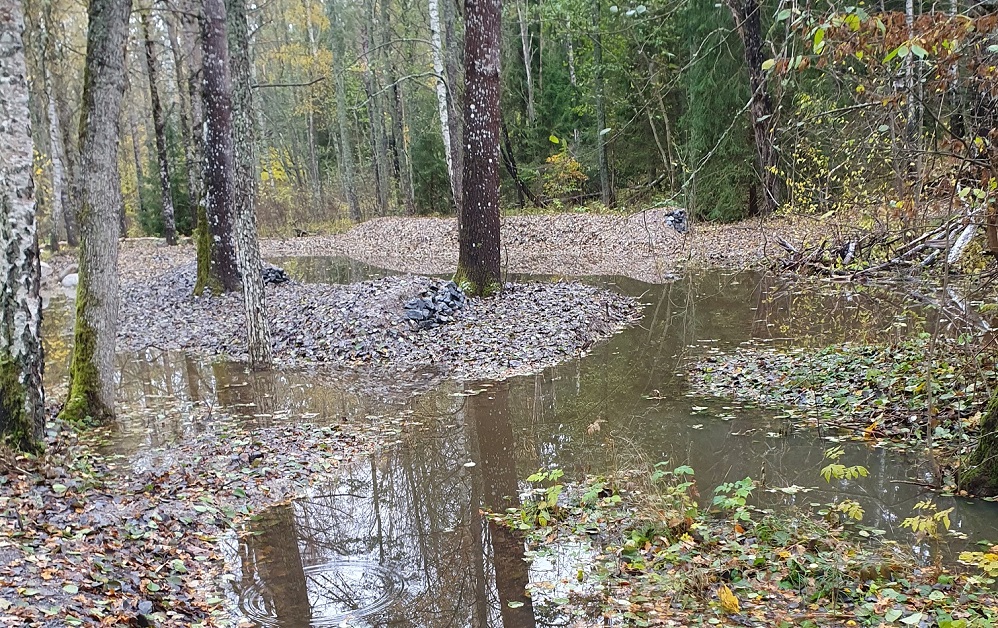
[445, 313]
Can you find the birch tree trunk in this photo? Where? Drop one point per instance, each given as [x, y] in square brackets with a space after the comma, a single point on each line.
[443, 98]
[159, 126]
[22, 398]
[218, 269]
[313, 158]
[528, 60]
[91, 387]
[452, 64]
[244, 188]
[478, 257]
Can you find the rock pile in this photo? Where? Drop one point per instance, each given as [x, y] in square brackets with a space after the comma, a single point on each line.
[435, 305]
[676, 219]
[274, 276]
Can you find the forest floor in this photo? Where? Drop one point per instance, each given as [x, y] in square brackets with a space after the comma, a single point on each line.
[641, 246]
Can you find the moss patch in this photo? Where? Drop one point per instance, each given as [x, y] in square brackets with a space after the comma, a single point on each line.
[83, 404]
[16, 427]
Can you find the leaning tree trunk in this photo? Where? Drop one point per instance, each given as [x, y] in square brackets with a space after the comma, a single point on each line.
[478, 256]
[218, 270]
[979, 475]
[159, 126]
[244, 188]
[22, 399]
[748, 21]
[91, 387]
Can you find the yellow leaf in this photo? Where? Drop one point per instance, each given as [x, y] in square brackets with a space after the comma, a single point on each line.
[729, 603]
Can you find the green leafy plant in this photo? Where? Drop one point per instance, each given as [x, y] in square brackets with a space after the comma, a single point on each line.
[733, 496]
[840, 471]
[930, 520]
[541, 506]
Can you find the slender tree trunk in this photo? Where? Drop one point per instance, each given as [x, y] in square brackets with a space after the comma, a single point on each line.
[528, 61]
[509, 160]
[748, 21]
[443, 97]
[159, 126]
[379, 145]
[244, 188]
[606, 186]
[313, 157]
[452, 66]
[74, 185]
[571, 75]
[22, 398]
[346, 150]
[57, 154]
[91, 388]
[478, 264]
[133, 132]
[216, 244]
[183, 97]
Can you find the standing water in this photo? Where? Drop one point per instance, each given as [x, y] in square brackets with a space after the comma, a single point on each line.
[400, 539]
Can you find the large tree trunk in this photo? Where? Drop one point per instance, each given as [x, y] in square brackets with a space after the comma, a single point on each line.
[217, 267]
[159, 126]
[748, 21]
[22, 399]
[91, 388]
[244, 188]
[478, 264]
[979, 475]
[606, 185]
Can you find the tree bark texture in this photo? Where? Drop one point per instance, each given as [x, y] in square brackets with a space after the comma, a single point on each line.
[60, 190]
[91, 388]
[218, 269]
[478, 257]
[748, 21]
[22, 399]
[159, 127]
[244, 188]
[979, 475]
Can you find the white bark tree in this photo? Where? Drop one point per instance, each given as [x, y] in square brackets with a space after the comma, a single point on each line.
[22, 399]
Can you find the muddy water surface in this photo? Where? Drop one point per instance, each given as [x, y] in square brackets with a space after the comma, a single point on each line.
[400, 540]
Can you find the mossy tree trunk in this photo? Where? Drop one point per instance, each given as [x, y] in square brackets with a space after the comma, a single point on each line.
[217, 265]
[91, 388]
[244, 187]
[980, 476]
[478, 257]
[22, 399]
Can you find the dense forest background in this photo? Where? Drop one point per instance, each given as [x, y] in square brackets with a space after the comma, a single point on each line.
[728, 109]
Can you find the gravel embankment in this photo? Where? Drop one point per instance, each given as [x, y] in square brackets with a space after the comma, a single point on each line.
[525, 328]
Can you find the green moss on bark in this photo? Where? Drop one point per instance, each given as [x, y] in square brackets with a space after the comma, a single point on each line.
[202, 240]
[16, 427]
[474, 288]
[83, 404]
[980, 476]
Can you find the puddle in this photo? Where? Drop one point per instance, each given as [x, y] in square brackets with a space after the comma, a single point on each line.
[399, 540]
